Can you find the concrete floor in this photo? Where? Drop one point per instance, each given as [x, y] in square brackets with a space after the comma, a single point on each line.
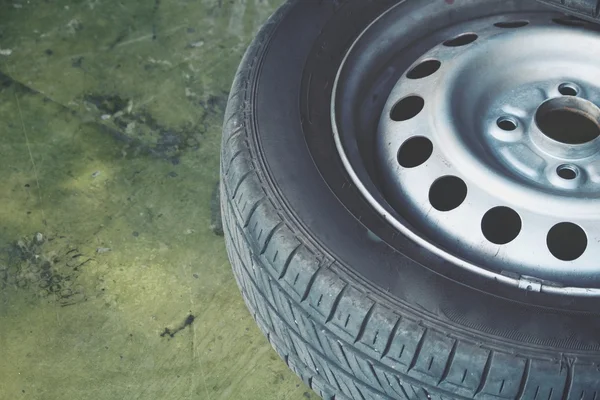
[110, 119]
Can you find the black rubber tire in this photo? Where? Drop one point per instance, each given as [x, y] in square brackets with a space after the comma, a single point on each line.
[356, 318]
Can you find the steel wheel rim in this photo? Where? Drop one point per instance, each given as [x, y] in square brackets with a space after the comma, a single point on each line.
[424, 164]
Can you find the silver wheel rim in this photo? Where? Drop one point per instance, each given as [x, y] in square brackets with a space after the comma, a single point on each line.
[471, 162]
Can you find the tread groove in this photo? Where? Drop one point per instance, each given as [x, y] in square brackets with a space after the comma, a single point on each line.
[269, 237]
[415, 358]
[524, 379]
[288, 261]
[312, 360]
[568, 384]
[372, 369]
[485, 373]
[337, 382]
[344, 355]
[251, 212]
[242, 179]
[317, 336]
[233, 114]
[230, 163]
[402, 387]
[236, 132]
[415, 392]
[335, 304]
[311, 281]
[390, 340]
[362, 396]
[449, 363]
[363, 325]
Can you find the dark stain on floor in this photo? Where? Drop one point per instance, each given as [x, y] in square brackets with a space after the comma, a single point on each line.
[46, 267]
[142, 133]
[172, 332]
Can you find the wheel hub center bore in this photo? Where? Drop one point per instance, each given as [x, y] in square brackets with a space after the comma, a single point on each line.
[569, 120]
[567, 127]
[490, 146]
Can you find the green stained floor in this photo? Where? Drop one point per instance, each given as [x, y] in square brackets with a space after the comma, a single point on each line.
[110, 120]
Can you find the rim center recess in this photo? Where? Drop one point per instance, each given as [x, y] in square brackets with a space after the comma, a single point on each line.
[569, 120]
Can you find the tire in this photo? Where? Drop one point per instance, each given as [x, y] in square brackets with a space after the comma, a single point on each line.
[356, 317]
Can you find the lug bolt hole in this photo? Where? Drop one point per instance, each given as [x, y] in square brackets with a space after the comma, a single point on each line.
[507, 124]
[568, 89]
[568, 172]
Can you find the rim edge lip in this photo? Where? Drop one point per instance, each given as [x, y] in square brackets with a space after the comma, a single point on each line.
[524, 282]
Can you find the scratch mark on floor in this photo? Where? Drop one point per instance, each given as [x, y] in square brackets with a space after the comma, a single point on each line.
[195, 359]
[35, 172]
[147, 37]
